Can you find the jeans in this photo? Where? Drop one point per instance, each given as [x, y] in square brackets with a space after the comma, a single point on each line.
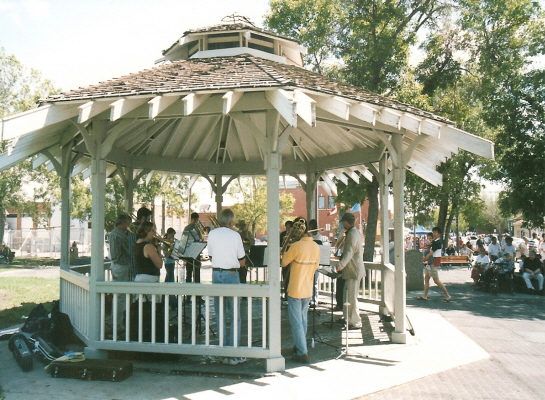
[120, 273]
[527, 278]
[298, 312]
[227, 277]
[169, 267]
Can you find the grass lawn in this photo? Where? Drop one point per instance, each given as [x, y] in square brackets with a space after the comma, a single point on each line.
[19, 295]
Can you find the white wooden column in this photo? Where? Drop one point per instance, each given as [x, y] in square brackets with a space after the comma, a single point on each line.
[94, 141]
[382, 177]
[65, 219]
[400, 333]
[273, 164]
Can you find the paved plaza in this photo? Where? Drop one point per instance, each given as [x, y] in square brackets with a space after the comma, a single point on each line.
[479, 346]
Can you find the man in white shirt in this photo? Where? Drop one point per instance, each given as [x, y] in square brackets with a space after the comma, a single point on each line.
[509, 247]
[541, 247]
[493, 249]
[226, 251]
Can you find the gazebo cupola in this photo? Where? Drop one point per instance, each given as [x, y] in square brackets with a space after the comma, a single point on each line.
[234, 36]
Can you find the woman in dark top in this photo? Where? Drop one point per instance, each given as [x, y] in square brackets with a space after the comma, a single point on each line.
[147, 259]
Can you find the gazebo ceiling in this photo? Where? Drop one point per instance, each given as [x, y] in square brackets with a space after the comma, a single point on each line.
[208, 115]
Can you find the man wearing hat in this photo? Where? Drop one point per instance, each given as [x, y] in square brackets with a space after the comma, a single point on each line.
[248, 241]
[352, 268]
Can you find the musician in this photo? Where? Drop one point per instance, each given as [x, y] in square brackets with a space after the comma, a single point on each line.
[119, 253]
[227, 254]
[352, 268]
[288, 225]
[147, 256]
[285, 271]
[193, 268]
[303, 257]
[170, 263]
[142, 215]
[248, 241]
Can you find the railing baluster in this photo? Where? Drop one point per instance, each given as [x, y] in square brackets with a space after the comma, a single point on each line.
[127, 316]
[220, 320]
[234, 323]
[207, 323]
[114, 317]
[102, 315]
[180, 318]
[167, 315]
[193, 320]
[153, 318]
[264, 321]
[250, 321]
[140, 317]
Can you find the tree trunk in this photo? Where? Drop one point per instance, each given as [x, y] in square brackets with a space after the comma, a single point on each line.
[2, 222]
[372, 219]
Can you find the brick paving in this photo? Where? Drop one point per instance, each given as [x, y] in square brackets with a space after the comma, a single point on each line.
[510, 328]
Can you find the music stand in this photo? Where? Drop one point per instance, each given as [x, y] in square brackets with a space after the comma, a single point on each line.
[333, 275]
[345, 352]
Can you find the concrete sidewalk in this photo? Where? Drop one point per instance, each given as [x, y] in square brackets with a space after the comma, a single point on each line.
[447, 343]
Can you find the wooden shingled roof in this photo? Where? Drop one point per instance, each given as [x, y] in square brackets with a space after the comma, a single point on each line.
[229, 73]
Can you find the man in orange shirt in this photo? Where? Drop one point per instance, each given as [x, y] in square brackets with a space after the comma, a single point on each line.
[304, 257]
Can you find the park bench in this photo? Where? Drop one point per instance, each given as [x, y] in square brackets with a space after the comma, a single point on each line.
[447, 261]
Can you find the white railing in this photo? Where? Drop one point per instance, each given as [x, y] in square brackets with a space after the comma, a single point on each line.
[189, 328]
[74, 300]
[372, 287]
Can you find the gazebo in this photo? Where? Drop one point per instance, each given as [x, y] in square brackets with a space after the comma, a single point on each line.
[226, 101]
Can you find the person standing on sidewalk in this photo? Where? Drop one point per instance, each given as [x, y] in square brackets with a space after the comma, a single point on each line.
[303, 257]
[120, 267]
[432, 271]
[352, 268]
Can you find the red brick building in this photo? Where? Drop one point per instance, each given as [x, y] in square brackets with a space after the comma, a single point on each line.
[324, 203]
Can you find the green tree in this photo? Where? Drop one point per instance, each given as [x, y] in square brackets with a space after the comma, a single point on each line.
[20, 90]
[371, 40]
[82, 201]
[503, 38]
[252, 193]
[313, 22]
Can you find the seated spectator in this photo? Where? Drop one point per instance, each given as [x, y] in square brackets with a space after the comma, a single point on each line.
[6, 254]
[482, 262]
[493, 249]
[450, 251]
[509, 247]
[465, 251]
[504, 266]
[531, 269]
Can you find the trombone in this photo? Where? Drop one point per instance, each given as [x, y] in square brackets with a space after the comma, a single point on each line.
[213, 220]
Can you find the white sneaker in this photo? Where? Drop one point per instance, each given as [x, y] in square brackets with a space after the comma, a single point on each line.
[236, 361]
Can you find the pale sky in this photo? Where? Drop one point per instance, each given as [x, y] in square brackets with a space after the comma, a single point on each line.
[78, 43]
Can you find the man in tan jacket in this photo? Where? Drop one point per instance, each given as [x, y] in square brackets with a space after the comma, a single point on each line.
[352, 268]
